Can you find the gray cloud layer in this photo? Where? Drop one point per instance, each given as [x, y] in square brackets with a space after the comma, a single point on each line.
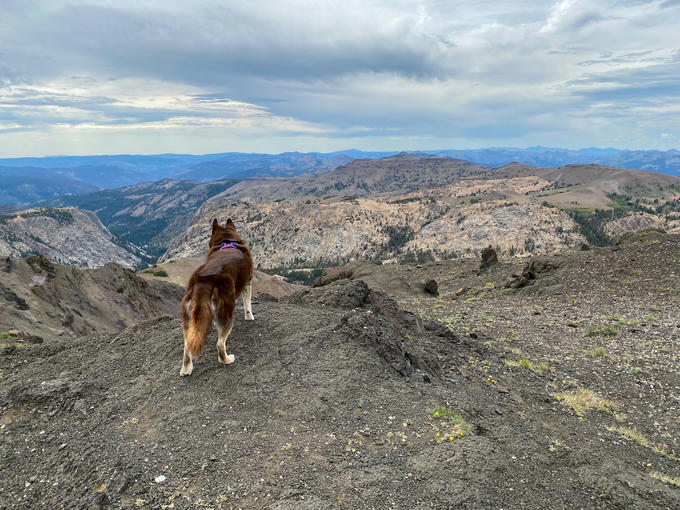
[143, 76]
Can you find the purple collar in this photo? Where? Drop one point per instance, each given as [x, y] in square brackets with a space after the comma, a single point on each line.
[230, 245]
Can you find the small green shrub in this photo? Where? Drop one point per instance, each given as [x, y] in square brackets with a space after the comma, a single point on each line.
[448, 425]
[606, 331]
[162, 272]
[539, 368]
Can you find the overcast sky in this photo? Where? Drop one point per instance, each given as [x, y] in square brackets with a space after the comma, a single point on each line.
[153, 76]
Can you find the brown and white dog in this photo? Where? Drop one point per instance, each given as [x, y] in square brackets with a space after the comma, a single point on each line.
[212, 290]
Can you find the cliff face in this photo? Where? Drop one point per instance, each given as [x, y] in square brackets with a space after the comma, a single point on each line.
[67, 235]
[436, 224]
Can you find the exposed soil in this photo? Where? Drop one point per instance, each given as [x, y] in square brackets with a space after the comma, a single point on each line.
[339, 398]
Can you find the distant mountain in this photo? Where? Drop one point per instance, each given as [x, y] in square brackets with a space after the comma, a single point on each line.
[100, 171]
[242, 166]
[125, 170]
[667, 162]
[362, 177]
[30, 186]
[148, 215]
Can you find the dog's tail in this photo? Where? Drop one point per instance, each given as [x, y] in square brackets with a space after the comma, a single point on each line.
[200, 318]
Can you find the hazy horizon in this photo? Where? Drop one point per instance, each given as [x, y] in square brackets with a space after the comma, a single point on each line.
[411, 151]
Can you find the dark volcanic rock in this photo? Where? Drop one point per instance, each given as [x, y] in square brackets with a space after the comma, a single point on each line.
[339, 294]
[489, 257]
[328, 404]
[430, 287]
[532, 270]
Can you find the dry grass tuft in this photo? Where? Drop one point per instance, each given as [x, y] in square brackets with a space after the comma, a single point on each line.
[582, 400]
[539, 368]
[640, 439]
[665, 478]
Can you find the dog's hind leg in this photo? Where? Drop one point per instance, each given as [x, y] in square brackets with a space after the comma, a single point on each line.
[187, 364]
[223, 330]
[225, 321]
[247, 307]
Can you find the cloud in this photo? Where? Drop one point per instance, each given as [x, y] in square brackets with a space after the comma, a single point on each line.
[307, 74]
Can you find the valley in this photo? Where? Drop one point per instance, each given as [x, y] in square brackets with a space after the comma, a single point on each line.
[147, 215]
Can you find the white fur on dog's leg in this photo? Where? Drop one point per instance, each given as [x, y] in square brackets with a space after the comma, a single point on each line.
[247, 307]
[186, 367]
[228, 360]
[187, 370]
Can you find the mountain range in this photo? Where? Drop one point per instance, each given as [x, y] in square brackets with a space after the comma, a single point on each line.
[419, 207]
[26, 180]
[404, 207]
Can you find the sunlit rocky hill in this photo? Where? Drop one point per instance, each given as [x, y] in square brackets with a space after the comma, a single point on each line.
[420, 208]
[67, 235]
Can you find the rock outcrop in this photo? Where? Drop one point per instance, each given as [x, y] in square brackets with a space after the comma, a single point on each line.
[67, 235]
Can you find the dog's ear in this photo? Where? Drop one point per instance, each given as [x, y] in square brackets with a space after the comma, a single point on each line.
[215, 224]
[230, 223]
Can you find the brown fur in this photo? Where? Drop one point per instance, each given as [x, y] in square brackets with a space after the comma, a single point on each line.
[215, 286]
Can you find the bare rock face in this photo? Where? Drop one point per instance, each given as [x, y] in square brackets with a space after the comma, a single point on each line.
[66, 235]
[332, 231]
[632, 223]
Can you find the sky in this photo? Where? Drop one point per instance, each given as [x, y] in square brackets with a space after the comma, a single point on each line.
[157, 76]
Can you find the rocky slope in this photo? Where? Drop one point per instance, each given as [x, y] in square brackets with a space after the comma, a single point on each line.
[341, 397]
[67, 235]
[456, 210]
[441, 223]
[41, 298]
[148, 215]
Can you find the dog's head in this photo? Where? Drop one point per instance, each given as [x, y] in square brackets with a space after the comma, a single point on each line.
[224, 234]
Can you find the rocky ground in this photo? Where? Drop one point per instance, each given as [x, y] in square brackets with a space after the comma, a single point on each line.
[561, 393]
